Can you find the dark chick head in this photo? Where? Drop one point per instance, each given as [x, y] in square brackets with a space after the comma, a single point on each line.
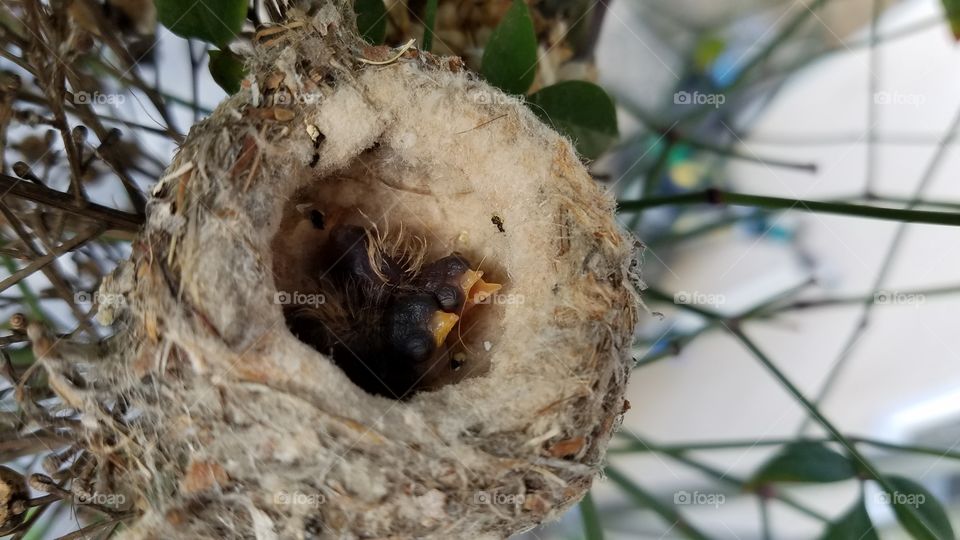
[385, 321]
[351, 253]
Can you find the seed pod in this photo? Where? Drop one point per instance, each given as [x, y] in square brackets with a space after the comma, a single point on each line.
[14, 499]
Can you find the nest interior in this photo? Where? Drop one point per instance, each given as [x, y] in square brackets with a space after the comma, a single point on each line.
[402, 212]
[245, 418]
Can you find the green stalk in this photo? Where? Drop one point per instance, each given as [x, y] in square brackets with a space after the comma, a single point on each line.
[722, 476]
[429, 23]
[715, 196]
[647, 500]
[814, 412]
[635, 446]
[592, 528]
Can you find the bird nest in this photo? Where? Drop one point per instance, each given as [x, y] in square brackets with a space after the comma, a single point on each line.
[375, 297]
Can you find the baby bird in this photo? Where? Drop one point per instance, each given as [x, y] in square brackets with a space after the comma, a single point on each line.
[386, 314]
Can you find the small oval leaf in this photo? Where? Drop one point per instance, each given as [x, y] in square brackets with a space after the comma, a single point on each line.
[918, 510]
[371, 20]
[854, 524]
[952, 9]
[510, 56]
[707, 51]
[227, 70]
[580, 110]
[213, 21]
[805, 461]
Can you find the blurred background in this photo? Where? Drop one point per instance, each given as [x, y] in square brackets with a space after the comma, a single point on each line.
[797, 373]
[853, 100]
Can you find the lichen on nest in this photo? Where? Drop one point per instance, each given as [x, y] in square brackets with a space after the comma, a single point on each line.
[220, 423]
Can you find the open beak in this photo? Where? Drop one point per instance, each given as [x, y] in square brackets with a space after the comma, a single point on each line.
[477, 290]
[441, 324]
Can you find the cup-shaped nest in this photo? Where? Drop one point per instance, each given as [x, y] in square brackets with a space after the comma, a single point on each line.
[375, 297]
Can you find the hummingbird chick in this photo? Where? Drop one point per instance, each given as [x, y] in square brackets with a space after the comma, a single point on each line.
[386, 315]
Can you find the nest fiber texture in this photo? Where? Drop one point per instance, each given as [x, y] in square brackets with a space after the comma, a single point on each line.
[238, 429]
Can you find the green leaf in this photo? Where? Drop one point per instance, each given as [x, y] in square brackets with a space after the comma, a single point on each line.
[21, 357]
[213, 21]
[952, 8]
[227, 70]
[429, 24]
[510, 57]
[854, 524]
[708, 50]
[592, 526]
[580, 110]
[371, 20]
[805, 461]
[928, 520]
[30, 297]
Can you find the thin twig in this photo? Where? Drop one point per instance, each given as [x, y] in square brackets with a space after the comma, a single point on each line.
[116, 220]
[38, 263]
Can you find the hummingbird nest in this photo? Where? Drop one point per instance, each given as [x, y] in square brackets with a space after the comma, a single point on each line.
[380, 193]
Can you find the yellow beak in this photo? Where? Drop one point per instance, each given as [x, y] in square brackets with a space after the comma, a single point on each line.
[441, 324]
[476, 288]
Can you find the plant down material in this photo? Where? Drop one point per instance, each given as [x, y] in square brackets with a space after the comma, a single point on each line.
[220, 423]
